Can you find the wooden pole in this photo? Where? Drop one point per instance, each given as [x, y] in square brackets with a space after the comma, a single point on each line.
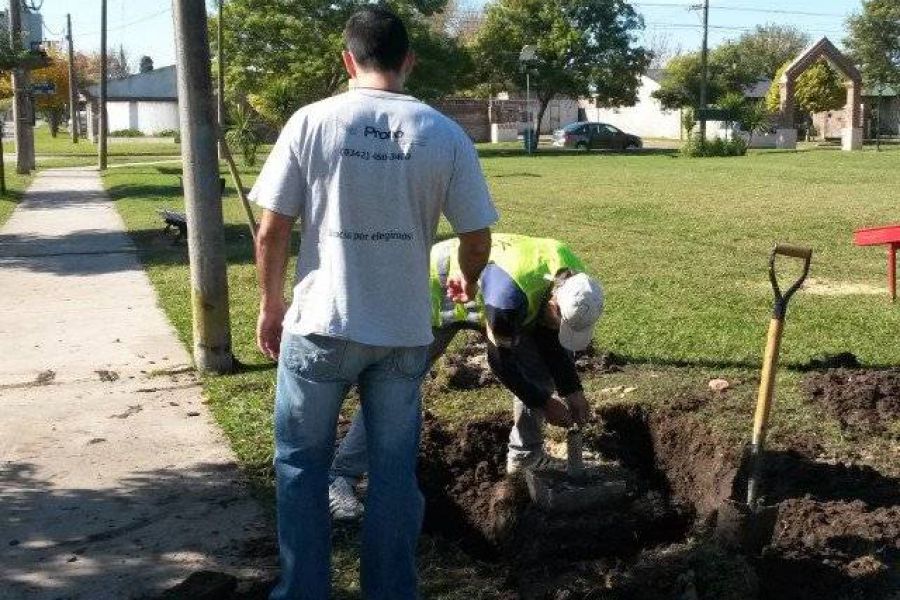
[103, 126]
[202, 191]
[73, 107]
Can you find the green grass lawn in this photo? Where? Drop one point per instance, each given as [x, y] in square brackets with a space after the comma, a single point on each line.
[681, 246]
[15, 187]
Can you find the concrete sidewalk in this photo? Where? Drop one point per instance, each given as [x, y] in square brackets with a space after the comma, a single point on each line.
[114, 480]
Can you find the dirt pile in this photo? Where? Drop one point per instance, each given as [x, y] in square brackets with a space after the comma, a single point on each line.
[837, 533]
[866, 401]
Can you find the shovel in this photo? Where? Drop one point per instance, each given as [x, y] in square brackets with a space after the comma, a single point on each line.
[751, 525]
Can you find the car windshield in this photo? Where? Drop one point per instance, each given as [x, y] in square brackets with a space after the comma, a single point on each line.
[571, 128]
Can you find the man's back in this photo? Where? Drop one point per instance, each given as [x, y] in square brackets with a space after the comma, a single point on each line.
[369, 172]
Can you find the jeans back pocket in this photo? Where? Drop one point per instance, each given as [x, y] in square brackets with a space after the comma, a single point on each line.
[314, 357]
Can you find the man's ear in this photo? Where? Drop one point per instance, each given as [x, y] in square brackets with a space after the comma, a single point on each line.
[409, 63]
[349, 64]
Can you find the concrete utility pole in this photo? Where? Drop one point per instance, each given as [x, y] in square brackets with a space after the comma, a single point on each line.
[202, 191]
[21, 82]
[73, 108]
[220, 99]
[103, 125]
[704, 71]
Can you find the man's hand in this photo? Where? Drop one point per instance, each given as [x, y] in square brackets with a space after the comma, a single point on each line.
[556, 412]
[460, 290]
[268, 328]
[578, 407]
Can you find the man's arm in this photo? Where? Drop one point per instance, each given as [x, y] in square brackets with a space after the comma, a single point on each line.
[474, 252]
[561, 365]
[508, 369]
[272, 249]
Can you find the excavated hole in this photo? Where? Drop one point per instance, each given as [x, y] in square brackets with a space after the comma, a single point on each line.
[837, 533]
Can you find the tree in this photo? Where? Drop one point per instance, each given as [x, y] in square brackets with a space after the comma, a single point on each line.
[120, 68]
[87, 68]
[762, 51]
[52, 107]
[584, 48]
[146, 64]
[818, 88]
[662, 48]
[874, 43]
[283, 54]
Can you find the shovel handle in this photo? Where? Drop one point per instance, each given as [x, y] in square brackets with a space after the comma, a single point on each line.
[782, 299]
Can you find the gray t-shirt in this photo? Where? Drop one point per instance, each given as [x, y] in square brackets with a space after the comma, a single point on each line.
[369, 173]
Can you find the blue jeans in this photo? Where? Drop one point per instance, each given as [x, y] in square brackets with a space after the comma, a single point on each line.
[314, 375]
[525, 438]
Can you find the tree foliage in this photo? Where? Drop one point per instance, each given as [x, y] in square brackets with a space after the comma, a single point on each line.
[817, 89]
[732, 66]
[584, 48]
[52, 107]
[87, 68]
[283, 54]
[146, 64]
[874, 41]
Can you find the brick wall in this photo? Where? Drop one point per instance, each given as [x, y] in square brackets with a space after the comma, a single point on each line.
[471, 114]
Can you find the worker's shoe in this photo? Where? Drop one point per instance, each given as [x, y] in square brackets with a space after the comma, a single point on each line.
[342, 500]
[536, 461]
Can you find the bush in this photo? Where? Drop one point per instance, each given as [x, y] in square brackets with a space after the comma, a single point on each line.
[126, 133]
[243, 136]
[172, 133]
[697, 148]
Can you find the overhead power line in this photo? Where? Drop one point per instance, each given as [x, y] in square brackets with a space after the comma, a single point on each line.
[744, 9]
[135, 22]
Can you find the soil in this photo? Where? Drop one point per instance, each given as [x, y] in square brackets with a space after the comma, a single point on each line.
[468, 368]
[836, 527]
[865, 401]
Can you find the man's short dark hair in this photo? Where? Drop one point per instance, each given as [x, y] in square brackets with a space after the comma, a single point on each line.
[377, 39]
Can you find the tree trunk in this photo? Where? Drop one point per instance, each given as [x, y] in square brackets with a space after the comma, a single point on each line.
[53, 121]
[542, 108]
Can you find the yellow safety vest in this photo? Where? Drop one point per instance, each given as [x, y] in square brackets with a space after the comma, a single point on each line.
[530, 262]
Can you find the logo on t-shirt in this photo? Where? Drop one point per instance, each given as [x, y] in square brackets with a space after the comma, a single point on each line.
[382, 134]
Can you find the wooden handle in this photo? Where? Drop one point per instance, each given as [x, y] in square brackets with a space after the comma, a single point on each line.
[793, 251]
[767, 384]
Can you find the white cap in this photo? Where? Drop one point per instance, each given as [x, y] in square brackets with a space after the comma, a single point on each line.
[580, 301]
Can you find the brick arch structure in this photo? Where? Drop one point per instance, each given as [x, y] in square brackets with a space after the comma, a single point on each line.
[852, 135]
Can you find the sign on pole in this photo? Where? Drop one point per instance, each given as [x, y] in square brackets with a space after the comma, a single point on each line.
[43, 88]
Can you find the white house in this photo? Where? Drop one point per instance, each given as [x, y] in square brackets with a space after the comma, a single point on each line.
[647, 118]
[147, 102]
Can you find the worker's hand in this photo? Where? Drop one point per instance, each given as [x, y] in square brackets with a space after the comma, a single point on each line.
[556, 412]
[578, 407]
[268, 328]
[460, 290]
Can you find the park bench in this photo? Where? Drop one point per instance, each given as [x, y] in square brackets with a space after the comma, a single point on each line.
[174, 220]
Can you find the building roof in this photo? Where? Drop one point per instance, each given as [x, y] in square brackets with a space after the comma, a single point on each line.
[158, 84]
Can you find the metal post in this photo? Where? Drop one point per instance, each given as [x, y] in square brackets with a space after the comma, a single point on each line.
[24, 130]
[2, 160]
[202, 191]
[103, 125]
[220, 100]
[704, 71]
[528, 108]
[73, 107]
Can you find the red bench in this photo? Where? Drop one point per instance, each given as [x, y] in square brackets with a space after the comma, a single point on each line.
[889, 236]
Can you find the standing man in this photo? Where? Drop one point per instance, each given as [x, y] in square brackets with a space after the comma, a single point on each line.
[536, 306]
[368, 173]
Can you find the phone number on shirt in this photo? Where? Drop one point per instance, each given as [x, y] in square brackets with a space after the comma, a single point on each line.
[366, 155]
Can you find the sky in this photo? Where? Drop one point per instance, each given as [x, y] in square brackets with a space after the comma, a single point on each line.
[145, 26]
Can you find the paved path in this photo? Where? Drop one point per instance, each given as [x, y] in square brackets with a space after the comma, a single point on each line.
[114, 481]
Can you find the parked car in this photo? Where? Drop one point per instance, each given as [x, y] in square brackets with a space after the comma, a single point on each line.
[587, 136]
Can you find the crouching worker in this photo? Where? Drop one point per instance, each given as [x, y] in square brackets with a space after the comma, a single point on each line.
[536, 307]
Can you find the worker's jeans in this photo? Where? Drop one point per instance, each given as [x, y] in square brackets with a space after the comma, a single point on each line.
[314, 375]
[525, 438]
